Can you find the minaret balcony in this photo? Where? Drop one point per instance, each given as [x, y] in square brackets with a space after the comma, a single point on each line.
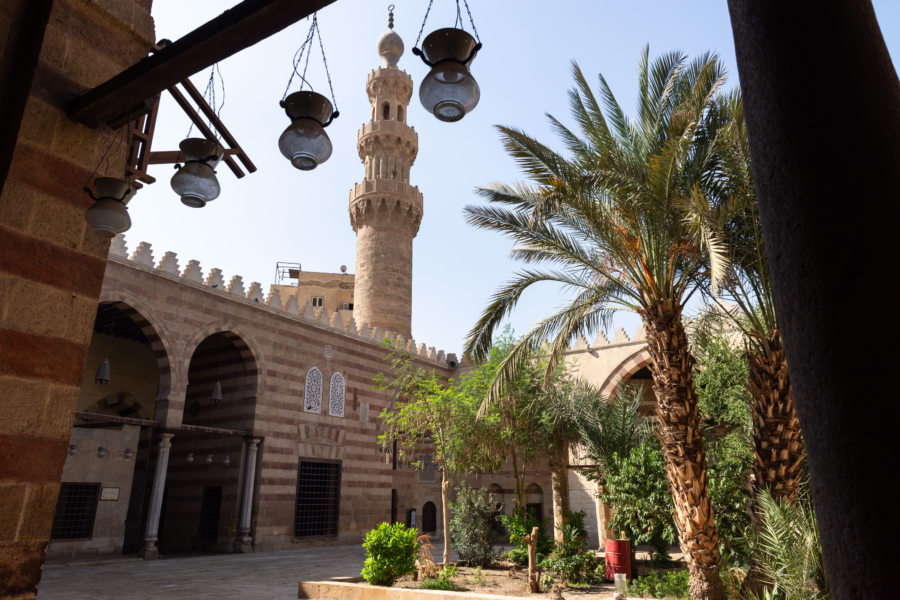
[388, 188]
[386, 126]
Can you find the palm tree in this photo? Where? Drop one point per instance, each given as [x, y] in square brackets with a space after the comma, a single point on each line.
[729, 208]
[606, 222]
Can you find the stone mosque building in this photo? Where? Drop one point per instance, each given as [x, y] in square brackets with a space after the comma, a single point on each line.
[232, 419]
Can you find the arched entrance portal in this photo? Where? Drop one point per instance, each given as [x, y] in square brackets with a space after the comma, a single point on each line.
[534, 501]
[202, 501]
[429, 517]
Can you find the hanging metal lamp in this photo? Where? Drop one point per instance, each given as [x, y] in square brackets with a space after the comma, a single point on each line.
[102, 376]
[216, 395]
[305, 142]
[449, 91]
[109, 215]
[196, 181]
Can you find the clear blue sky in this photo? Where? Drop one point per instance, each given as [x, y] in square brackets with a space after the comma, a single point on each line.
[282, 214]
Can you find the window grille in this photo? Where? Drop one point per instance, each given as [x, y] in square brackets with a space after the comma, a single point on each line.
[427, 468]
[76, 508]
[336, 395]
[318, 498]
[313, 396]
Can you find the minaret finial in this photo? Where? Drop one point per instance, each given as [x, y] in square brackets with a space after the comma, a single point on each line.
[390, 16]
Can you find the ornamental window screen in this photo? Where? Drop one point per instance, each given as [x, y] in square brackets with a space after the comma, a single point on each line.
[76, 508]
[336, 395]
[318, 498]
[313, 399]
[427, 468]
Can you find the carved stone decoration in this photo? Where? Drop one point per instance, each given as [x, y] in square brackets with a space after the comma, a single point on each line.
[328, 351]
[336, 395]
[313, 397]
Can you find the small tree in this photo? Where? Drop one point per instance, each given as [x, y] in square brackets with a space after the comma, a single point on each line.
[427, 408]
[472, 525]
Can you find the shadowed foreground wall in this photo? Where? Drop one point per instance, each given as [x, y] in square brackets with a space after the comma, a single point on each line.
[51, 263]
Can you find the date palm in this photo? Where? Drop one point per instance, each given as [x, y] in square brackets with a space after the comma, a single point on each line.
[605, 222]
[730, 207]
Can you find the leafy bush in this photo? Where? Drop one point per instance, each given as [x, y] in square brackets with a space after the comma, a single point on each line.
[730, 499]
[519, 524]
[569, 561]
[473, 521]
[638, 493]
[443, 581]
[668, 584]
[390, 553]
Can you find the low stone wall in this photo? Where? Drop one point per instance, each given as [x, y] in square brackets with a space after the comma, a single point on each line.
[338, 590]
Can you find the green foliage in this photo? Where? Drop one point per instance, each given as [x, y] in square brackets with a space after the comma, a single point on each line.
[519, 524]
[443, 581]
[569, 561]
[668, 584]
[473, 519]
[638, 493]
[607, 428]
[719, 379]
[390, 553]
[730, 500]
[787, 549]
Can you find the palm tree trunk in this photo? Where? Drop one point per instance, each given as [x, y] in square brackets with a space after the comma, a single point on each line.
[679, 432]
[778, 449]
[777, 441]
[559, 483]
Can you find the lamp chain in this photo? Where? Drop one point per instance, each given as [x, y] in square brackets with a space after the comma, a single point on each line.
[209, 94]
[458, 23]
[306, 48]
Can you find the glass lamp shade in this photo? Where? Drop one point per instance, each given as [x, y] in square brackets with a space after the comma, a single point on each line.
[449, 91]
[108, 215]
[216, 395]
[196, 181]
[305, 142]
[102, 375]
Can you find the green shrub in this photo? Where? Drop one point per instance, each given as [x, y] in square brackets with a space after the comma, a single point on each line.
[569, 561]
[668, 584]
[638, 493]
[519, 524]
[473, 521]
[443, 581]
[390, 553]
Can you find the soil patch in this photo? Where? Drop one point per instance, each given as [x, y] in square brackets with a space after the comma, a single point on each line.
[510, 581]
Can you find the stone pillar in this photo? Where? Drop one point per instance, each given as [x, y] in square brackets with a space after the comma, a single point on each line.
[385, 210]
[244, 542]
[150, 551]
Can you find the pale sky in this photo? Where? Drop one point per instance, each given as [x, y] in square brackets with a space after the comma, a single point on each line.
[282, 214]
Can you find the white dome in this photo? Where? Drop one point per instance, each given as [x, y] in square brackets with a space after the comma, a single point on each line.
[390, 48]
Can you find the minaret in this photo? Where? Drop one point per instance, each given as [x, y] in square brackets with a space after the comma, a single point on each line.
[385, 210]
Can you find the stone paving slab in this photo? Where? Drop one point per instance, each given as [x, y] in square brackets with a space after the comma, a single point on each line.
[253, 576]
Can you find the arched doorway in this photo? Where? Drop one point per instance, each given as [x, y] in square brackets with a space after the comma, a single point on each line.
[429, 517]
[534, 501]
[495, 493]
[201, 509]
[126, 370]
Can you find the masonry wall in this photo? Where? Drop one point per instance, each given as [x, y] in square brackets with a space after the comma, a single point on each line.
[51, 263]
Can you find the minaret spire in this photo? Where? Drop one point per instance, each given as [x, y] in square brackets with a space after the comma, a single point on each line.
[385, 210]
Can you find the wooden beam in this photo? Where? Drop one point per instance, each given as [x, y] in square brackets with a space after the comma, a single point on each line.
[249, 22]
[90, 416]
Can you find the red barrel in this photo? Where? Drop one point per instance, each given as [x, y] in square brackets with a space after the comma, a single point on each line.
[618, 558]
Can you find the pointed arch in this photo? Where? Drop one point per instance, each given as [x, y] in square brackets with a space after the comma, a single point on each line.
[313, 391]
[337, 391]
[628, 367]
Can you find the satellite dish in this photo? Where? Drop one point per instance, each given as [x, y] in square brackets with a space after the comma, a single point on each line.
[343, 268]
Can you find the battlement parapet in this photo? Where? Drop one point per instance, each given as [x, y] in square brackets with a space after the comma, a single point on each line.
[340, 322]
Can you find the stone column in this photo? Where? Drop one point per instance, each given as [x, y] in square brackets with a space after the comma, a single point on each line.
[150, 551]
[245, 540]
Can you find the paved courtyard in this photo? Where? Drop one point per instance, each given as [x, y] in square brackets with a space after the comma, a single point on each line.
[255, 576]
